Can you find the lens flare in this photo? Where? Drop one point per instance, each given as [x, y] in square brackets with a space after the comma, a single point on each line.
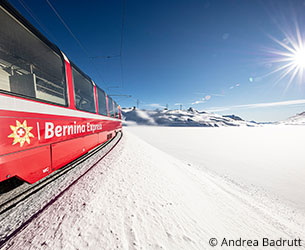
[289, 59]
[299, 58]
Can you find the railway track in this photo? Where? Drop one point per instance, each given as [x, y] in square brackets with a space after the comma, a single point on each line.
[26, 196]
[7, 202]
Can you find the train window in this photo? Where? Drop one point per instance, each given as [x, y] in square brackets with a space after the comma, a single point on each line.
[110, 105]
[120, 113]
[28, 67]
[102, 105]
[116, 110]
[84, 92]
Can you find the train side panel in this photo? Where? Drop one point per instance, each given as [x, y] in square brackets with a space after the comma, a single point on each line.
[32, 145]
[30, 165]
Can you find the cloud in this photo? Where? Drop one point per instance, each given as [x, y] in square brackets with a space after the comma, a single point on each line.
[198, 102]
[155, 105]
[202, 100]
[258, 105]
[203, 93]
[217, 95]
[234, 86]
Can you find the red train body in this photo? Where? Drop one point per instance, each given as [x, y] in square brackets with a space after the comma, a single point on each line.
[50, 111]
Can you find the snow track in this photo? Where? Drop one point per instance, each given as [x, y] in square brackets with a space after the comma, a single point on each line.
[141, 198]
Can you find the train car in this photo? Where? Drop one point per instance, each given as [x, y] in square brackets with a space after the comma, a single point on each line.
[50, 111]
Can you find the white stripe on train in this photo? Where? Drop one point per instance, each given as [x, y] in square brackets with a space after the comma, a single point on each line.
[11, 103]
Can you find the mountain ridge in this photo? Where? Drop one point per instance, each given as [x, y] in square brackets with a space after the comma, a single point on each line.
[179, 118]
[298, 119]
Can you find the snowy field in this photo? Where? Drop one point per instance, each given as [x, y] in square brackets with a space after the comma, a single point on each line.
[140, 197]
[269, 157]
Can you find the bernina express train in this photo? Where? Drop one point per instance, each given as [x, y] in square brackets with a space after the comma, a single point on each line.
[50, 111]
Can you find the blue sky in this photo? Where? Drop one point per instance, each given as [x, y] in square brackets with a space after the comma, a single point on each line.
[211, 55]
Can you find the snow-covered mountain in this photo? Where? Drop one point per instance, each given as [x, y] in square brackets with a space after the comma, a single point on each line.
[180, 118]
[298, 119]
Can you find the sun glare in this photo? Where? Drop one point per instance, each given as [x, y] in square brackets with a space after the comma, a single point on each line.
[289, 59]
[299, 58]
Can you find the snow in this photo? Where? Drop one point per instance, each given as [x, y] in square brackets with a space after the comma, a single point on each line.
[269, 157]
[140, 197]
[181, 118]
[298, 119]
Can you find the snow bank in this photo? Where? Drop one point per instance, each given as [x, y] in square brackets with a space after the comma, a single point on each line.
[141, 198]
[182, 118]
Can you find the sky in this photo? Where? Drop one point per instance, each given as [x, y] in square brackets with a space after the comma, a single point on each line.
[242, 57]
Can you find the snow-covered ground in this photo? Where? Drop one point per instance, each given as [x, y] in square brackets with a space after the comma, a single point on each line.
[181, 118]
[269, 157]
[140, 197]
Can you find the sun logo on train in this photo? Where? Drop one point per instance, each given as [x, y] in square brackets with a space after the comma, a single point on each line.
[21, 133]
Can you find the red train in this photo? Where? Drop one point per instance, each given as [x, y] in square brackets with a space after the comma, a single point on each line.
[50, 111]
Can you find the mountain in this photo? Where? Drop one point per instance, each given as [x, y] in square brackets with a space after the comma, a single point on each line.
[298, 119]
[234, 117]
[181, 118]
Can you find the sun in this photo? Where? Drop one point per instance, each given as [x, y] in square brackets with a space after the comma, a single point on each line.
[289, 58]
[299, 58]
